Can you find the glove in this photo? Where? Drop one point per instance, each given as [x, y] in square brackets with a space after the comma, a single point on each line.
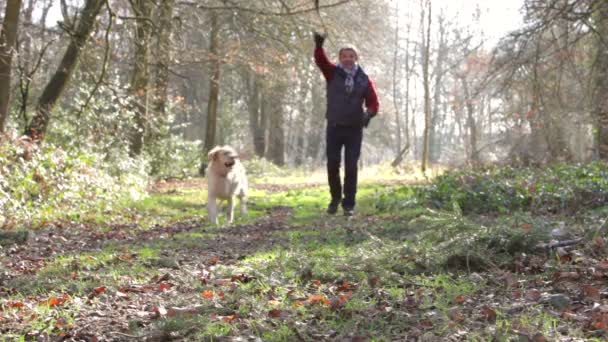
[367, 117]
[319, 39]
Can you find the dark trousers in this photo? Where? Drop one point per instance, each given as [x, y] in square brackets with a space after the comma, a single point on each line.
[350, 138]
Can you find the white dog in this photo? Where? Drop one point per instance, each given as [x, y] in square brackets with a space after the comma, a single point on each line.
[226, 180]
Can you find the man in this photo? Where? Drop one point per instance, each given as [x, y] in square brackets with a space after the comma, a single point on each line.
[348, 89]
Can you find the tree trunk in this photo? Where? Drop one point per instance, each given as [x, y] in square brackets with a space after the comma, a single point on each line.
[254, 106]
[600, 80]
[471, 124]
[399, 159]
[141, 74]
[317, 122]
[436, 119]
[427, 95]
[396, 103]
[276, 129]
[163, 46]
[214, 86]
[8, 36]
[37, 127]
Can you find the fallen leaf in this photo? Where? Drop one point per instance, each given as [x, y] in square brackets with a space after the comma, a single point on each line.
[459, 300]
[426, 324]
[599, 242]
[592, 293]
[97, 291]
[164, 277]
[228, 318]
[243, 278]
[56, 301]
[337, 303]
[488, 313]
[15, 304]
[566, 276]
[276, 313]
[214, 260]
[456, 315]
[314, 299]
[164, 286]
[159, 311]
[533, 295]
[603, 265]
[346, 286]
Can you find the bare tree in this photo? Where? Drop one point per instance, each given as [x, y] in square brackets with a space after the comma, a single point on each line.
[8, 36]
[214, 84]
[600, 79]
[37, 127]
[163, 56]
[276, 128]
[141, 73]
[426, 55]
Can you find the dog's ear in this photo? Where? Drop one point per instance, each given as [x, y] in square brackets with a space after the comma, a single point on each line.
[213, 153]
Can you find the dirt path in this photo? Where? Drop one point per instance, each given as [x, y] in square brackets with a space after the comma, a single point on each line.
[177, 270]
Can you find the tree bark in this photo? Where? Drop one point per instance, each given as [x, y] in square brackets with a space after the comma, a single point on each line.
[254, 106]
[471, 124]
[600, 79]
[8, 36]
[399, 159]
[436, 119]
[396, 103]
[141, 74]
[317, 122]
[214, 86]
[427, 95]
[276, 129]
[163, 46]
[37, 127]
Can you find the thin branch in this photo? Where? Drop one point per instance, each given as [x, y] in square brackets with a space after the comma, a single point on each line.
[104, 65]
[24, 88]
[262, 12]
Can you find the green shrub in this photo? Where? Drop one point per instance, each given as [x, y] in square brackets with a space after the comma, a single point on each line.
[556, 188]
[45, 182]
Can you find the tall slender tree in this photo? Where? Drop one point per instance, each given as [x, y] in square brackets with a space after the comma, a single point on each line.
[426, 56]
[140, 76]
[8, 36]
[37, 127]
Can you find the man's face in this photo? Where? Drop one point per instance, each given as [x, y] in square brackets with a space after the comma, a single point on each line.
[348, 58]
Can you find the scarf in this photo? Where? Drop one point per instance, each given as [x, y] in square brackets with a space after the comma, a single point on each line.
[349, 83]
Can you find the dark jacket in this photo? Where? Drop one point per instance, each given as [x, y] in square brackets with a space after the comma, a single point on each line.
[343, 108]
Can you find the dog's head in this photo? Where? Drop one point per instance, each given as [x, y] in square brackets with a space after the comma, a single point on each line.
[223, 157]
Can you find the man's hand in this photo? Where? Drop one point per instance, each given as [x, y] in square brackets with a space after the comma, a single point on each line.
[319, 39]
[367, 117]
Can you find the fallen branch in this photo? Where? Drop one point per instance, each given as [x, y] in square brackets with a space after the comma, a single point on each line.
[555, 244]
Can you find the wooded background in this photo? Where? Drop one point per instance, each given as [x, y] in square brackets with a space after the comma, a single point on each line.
[168, 80]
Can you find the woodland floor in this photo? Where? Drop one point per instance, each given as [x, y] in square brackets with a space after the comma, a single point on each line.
[288, 272]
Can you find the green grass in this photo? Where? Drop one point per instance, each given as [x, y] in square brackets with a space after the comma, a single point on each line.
[393, 250]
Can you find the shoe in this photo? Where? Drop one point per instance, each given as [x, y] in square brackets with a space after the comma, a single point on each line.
[348, 212]
[333, 207]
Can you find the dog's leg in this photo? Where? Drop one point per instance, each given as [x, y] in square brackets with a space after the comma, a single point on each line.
[212, 210]
[231, 209]
[243, 203]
